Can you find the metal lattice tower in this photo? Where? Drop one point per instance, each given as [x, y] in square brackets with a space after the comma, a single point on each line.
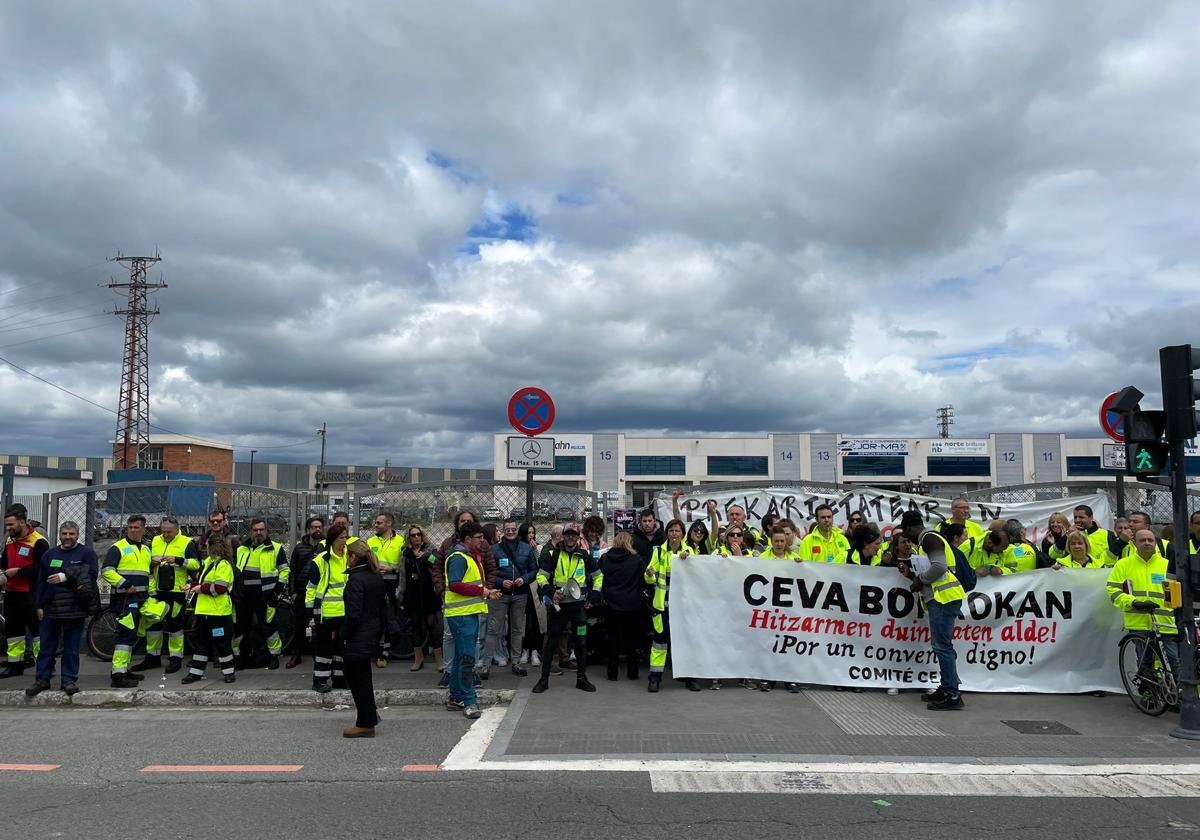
[133, 408]
[945, 419]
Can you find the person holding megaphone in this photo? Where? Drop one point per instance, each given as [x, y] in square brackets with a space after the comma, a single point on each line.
[569, 582]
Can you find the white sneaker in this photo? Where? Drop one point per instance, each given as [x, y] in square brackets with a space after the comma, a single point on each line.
[892, 692]
[525, 658]
[500, 661]
[535, 659]
[572, 656]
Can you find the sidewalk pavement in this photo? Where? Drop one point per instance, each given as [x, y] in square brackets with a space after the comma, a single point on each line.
[395, 685]
[621, 722]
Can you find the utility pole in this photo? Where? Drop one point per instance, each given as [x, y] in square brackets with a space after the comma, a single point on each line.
[324, 433]
[133, 408]
[945, 419]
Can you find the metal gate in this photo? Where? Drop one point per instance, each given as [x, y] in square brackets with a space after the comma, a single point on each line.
[1153, 499]
[101, 511]
[434, 505]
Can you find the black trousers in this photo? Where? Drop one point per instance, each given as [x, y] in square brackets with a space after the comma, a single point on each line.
[213, 641]
[358, 677]
[626, 630]
[20, 617]
[571, 619]
[327, 651]
[389, 592]
[533, 630]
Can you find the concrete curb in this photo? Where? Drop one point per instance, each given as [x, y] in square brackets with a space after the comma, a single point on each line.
[214, 697]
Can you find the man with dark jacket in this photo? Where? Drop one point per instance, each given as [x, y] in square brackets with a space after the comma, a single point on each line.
[66, 596]
[648, 535]
[306, 548]
[516, 568]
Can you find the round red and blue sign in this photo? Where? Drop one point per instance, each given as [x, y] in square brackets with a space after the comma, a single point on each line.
[531, 411]
[1112, 422]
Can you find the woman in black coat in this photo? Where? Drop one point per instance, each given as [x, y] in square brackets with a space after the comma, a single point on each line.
[625, 597]
[366, 617]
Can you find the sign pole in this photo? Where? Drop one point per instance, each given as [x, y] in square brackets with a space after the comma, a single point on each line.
[528, 495]
[1120, 494]
[1189, 703]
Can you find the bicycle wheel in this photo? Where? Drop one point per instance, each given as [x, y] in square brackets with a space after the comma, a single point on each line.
[1142, 670]
[102, 635]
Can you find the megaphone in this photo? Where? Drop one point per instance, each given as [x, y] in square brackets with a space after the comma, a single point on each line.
[570, 591]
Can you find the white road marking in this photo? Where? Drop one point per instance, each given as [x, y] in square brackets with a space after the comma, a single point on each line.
[1098, 780]
[894, 778]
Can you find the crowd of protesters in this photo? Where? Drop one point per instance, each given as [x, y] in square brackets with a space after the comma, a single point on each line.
[495, 594]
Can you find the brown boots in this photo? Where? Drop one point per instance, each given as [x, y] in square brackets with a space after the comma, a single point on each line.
[418, 660]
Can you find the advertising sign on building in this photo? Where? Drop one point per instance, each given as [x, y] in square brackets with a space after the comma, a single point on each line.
[868, 447]
[958, 446]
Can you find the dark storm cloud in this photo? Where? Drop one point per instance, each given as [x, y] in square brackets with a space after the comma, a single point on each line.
[776, 217]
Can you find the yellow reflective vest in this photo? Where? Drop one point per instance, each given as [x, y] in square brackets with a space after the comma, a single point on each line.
[132, 568]
[818, 549]
[454, 604]
[946, 589]
[387, 552]
[1135, 579]
[328, 586]
[216, 570]
[173, 563]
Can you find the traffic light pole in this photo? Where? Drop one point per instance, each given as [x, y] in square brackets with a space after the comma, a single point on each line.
[1189, 705]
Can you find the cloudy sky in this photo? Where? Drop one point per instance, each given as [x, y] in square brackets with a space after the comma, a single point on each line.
[678, 218]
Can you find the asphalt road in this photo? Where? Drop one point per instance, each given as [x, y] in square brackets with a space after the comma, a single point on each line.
[389, 787]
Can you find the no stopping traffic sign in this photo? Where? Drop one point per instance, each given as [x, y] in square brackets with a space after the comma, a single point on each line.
[531, 411]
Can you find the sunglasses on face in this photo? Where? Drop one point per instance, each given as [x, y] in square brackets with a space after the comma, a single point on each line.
[414, 535]
[737, 534]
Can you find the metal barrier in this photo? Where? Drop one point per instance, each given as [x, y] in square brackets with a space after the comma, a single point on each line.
[434, 505]
[101, 511]
[1153, 499]
[36, 505]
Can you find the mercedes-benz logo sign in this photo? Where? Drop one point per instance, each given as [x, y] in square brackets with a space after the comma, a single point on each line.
[532, 449]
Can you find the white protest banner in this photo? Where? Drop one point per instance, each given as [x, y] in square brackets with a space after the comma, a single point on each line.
[883, 507]
[831, 624]
[1044, 631]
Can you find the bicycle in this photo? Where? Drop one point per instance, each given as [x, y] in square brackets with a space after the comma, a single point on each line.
[102, 631]
[1146, 672]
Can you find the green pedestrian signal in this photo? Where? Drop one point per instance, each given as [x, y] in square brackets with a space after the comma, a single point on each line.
[1145, 461]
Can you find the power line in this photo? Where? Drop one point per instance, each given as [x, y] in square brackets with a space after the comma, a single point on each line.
[58, 334]
[28, 303]
[55, 277]
[55, 323]
[198, 438]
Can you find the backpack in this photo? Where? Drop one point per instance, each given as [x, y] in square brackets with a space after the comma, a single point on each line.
[963, 571]
[238, 590]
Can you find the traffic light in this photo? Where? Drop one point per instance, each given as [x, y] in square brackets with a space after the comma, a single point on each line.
[1145, 451]
[1180, 390]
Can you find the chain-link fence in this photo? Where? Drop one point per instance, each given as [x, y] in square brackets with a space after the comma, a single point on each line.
[35, 505]
[1152, 499]
[102, 511]
[434, 505]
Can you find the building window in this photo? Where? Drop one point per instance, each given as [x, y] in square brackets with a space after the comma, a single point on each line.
[737, 464]
[959, 465]
[873, 465]
[568, 465]
[1086, 465]
[655, 465]
[151, 458]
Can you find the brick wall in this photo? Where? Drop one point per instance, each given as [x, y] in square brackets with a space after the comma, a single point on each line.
[203, 459]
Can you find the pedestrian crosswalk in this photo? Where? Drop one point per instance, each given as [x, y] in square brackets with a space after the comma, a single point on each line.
[1110, 781]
